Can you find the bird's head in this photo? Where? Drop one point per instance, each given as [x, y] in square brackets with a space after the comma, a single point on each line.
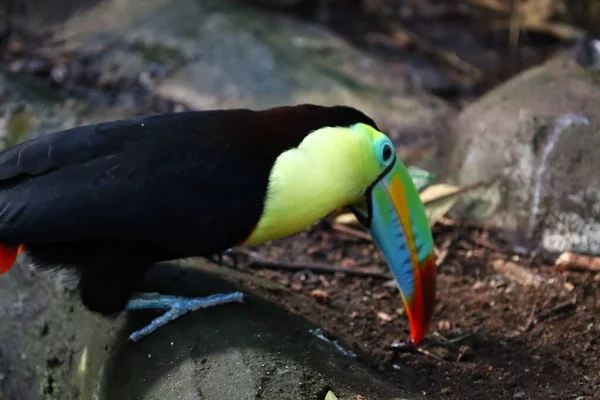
[347, 162]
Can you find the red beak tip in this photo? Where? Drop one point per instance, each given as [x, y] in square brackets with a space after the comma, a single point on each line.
[417, 335]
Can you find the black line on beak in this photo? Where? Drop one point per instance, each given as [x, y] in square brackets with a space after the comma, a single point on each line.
[366, 221]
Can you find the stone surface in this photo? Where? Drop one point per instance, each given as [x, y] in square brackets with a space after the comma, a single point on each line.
[539, 135]
[28, 110]
[253, 351]
[42, 320]
[225, 54]
[52, 348]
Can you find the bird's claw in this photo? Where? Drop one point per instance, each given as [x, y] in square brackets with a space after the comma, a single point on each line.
[176, 306]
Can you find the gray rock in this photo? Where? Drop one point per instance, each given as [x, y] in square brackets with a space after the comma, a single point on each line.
[52, 348]
[28, 110]
[255, 351]
[538, 134]
[226, 54]
[42, 320]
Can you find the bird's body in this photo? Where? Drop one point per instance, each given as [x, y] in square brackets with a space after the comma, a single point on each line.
[109, 200]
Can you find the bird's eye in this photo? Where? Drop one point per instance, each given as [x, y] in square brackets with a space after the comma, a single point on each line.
[386, 152]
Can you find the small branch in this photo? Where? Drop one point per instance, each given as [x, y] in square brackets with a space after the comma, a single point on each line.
[402, 35]
[491, 5]
[429, 354]
[577, 262]
[517, 273]
[257, 260]
[559, 309]
[352, 232]
[531, 321]
[442, 252]
[322, 268]
[407, 347]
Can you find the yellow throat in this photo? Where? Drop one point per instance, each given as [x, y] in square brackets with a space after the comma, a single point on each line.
[310, 181]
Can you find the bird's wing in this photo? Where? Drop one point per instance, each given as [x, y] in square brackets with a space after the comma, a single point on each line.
[176, 180]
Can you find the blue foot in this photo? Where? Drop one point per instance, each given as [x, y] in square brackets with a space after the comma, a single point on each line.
[176, 306]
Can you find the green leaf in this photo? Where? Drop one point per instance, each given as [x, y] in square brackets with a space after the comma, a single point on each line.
[420, 177]
[331, 396]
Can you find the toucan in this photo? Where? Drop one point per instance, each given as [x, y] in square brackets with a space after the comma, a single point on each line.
[106, 201]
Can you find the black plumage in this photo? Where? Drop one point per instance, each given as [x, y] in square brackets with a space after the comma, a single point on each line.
[109, 200]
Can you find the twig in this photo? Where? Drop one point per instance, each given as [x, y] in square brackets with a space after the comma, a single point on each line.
[530, 320]
[450, 58]
[442, 252]
[428, 353]
[352, 232]
[562, 307]
[485, 243]
[255, 259]
[577, 262]
[559, 308]
[407, 347]
[249, 253]
[517, 273]
[323, 268]
[491, 5]
[557, 29]
[441, 339]
[404, 36]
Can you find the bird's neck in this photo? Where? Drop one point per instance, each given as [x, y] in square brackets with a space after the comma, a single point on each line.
[306, 184]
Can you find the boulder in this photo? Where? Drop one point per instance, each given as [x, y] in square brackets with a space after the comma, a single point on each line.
[226, 54]
[535, 139]
[43, 323]
[53, 348]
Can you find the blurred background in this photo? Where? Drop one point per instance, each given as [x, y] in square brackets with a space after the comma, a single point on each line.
[497, 98]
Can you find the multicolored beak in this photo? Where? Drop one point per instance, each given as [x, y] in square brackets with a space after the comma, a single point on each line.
[395, 217]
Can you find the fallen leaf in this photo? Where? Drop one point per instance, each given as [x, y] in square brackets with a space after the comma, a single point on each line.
[439, 199]
[330, 396]
[347, 219]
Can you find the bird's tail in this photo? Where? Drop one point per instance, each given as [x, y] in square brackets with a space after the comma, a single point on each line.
[8, 256]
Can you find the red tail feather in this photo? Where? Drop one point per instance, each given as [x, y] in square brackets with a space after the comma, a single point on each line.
[8, 255]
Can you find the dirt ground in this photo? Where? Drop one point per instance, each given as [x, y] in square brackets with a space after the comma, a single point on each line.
[491, 337]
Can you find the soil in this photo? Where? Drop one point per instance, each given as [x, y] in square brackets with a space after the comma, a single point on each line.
[491, 337]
